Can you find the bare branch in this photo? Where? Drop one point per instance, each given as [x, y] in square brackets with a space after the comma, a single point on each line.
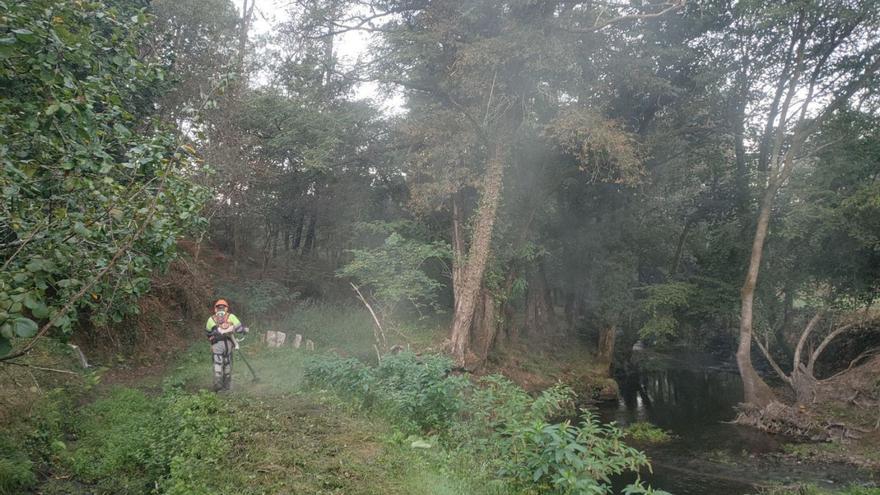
[24, 243]
[804, 337]
[772, 362]
[671, 7]
[825, 342]
[379, 334]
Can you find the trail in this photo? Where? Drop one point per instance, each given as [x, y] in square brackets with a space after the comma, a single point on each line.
[286, 439]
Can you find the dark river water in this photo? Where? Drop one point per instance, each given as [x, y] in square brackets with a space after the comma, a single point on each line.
[708, 455]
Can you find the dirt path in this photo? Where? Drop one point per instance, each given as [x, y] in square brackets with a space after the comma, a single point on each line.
[285, 440]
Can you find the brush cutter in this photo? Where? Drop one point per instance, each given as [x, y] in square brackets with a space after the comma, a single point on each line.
[240, 353]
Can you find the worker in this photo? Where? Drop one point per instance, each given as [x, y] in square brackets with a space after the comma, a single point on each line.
[221, 329]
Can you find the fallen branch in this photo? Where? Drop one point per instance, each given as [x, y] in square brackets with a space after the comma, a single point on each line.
[41, 368]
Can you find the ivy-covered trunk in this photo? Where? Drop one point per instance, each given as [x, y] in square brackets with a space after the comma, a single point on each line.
[607, 337]
[485, 325]
[539, 309]
[473, 267]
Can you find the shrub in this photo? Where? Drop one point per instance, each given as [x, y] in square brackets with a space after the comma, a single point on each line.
[513, 429]
[395, 271]
[495, 422]
[131, 443]
[421, 391]
[16, 470]
[417, 393]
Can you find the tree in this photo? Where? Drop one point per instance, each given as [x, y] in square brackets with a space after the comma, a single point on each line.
[826, 55]
[96, 190]
[481, 78]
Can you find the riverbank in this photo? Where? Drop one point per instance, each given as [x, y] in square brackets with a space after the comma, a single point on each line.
[694, 397]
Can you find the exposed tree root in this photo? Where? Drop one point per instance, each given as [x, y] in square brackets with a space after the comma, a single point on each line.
[856, 388]
[779, 418]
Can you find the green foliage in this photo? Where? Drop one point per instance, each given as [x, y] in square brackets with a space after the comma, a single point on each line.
[830, 235]
[646, 432]
[80, 163]
[132, 443]
[418, 393]
[31, 442]
[258, 297]
[16, 470]
[394, 271]
[514, 429]
[495, 422]
[662, 303]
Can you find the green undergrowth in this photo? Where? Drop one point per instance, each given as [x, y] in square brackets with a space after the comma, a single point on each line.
[647, 433]
[492, 423]
[264, 437]
[129, 442]
[406, 426]
[16, 469]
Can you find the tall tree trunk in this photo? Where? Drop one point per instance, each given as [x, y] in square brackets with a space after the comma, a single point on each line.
[607, 337]
[247, 13]
[485, 325]
[328, 54]
[506, 310]
[459, 254]
[539, 309]
[236, 242]
[679, 247]
[478, 254]
[741, 173]
[267, 250]
[573, 310]
[755, 390]
[309, 243]
[296, 239]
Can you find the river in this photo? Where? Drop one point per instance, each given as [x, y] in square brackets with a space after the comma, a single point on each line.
[695, 402]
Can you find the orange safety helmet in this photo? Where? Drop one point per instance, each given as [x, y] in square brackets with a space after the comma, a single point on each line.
[221, 302]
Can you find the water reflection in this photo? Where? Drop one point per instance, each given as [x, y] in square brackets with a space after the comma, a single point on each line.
[708, 454]
[694, 405]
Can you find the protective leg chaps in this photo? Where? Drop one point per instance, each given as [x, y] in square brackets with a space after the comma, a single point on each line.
[222, 355]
